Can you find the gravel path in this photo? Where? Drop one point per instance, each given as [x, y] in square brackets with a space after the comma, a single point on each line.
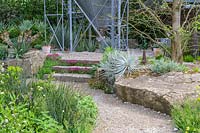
[118, 117]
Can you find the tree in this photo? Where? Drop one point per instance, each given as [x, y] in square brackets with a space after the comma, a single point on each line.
[177, 53]
[156, 15]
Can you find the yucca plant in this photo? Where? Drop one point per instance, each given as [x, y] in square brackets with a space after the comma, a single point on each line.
[20, 48]
[118, 63]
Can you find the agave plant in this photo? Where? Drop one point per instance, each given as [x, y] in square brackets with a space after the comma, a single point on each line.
[2, 27]
[118, 63]
[26, 25]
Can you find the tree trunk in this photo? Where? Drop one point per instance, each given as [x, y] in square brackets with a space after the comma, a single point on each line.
[177, 53]
[144, 57]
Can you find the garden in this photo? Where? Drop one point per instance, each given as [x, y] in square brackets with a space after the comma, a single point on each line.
[143, 53]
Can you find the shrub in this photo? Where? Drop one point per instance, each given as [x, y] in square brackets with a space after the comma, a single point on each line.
[17, 117]
[75, 112]
[42, 106]
[188, 58]
[198, 58]
[163, 66]
[47, 67]
[101, 84]
[187, 117]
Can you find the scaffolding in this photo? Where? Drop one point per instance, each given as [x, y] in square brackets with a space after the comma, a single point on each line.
[107, 18]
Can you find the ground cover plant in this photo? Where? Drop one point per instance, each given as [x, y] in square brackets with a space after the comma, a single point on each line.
[186, 116]
[162, 66]
[41, 106]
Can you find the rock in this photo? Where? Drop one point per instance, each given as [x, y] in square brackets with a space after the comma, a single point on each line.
[31, 62]
[158, 93]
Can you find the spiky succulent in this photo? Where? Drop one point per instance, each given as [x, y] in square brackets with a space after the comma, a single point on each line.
[26, 25]
[117, 64]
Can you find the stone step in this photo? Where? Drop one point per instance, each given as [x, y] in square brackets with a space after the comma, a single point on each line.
[81, 61]
[72, 68]
[69, 77]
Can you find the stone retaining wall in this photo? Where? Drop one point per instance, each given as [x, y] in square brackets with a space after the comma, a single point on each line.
[158, 93]
[30, 63]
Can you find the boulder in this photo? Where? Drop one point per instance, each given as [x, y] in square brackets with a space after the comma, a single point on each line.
[31, 62]
[158, 93]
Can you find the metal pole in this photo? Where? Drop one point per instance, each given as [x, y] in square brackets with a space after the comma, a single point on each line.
[113, 24]
[57, 10]
[45, 22]
[70, 24]
[119, 24]
[127, 26]
[63, 36]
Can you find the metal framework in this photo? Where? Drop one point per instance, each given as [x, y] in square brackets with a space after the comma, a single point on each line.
[108, 19]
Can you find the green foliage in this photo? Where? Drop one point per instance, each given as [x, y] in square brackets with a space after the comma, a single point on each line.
[10, 78]
[106, 53]
[59, 36]
[163, 66]
[47, 67]
[16, 112]
[3, 52]
[13, 31]
[86, 45]
[188, 58]
[26, 25]
[7, 12]
[196, 69]
[13, 11]
[142, 22]
[186, 116]
[20, 48]
[18, 118]
[74, 112]
[198, 58]
[101, 84]
[42, 106]
[144, 44]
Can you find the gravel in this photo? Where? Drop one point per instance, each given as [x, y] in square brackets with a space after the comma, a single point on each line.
[118, 117]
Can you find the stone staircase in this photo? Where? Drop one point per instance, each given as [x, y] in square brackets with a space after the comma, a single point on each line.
[76, 69]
